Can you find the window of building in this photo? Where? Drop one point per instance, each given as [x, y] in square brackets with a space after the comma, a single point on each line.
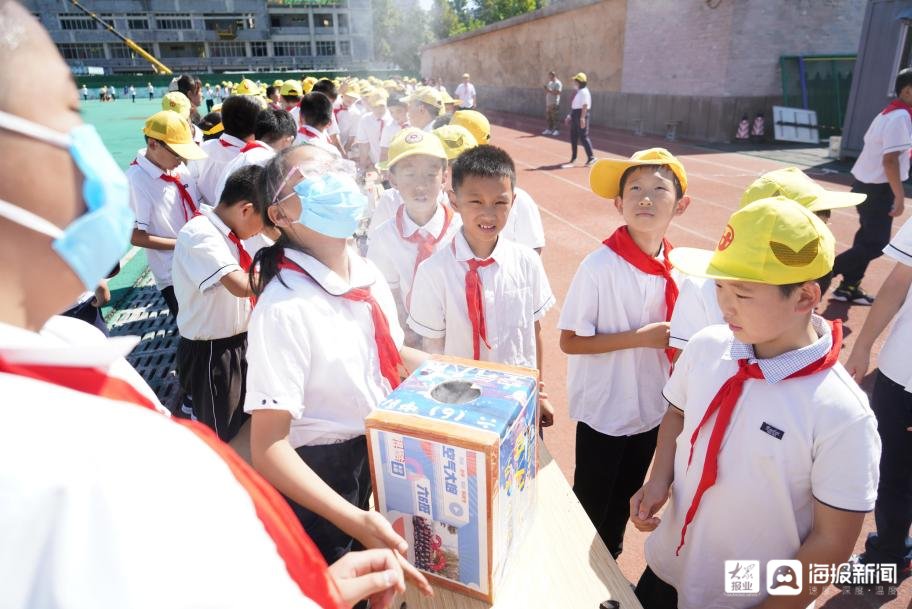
[345, 48]
[119, 50]
[258, 49]
[173, 21]
[323, 20]
[227, 49]
[182, 50]
[137, 22]
[343, 23]
[291, 49]
[326, 48]
[81, 50]
[76, 21]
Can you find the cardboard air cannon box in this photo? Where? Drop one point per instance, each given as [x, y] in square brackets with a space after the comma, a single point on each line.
[453, 454]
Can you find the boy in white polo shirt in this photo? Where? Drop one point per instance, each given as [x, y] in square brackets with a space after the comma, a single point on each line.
[211, 268]
[769, 448]
[879, 172]
[892, 404]
[697, 306]
[421, 225]
[316, 117]
[163, 195]
[614, 326]
[483, 296]
[370, 130]
[239, 116]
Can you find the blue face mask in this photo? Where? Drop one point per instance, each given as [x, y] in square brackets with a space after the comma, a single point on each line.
[331, 204]
[94, 242]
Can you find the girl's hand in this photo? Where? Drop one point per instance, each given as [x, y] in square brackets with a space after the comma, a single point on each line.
[375, 531]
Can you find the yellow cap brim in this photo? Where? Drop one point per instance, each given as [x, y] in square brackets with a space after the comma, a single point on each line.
[190, 152]
[605, 175]
[698, 263]
[835, 199]
[384, 166]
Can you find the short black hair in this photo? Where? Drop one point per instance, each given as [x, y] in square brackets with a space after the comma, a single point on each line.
[442, 120]
[244, 185]
[485, 161]
[292, 98]
[824, 283]
[327, 88]
[679, 190]
[239, 115]
[316, 109]
[186, 84]
[209, 121]
[272, 125]
[903, 80]
[396, 100]
[270, 90]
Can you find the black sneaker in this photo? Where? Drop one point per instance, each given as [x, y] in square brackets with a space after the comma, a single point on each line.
[852, 294]
[590, 162]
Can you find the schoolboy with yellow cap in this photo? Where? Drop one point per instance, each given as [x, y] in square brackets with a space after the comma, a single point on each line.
[348, 111]
[476, 122]
[614, 326]
[291, 92]
[697, 305]
[421, 223]
[369, 135]
[163, 193]
[424, 106]
[175, 101]
[780, 449]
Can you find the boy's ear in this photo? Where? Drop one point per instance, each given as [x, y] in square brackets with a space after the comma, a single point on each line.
[808, 297]
[682, 205]
[247, 207]
[451, 195]
[619, 204]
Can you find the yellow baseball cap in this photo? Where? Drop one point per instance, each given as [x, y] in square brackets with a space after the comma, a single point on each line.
[353, 90]
[775, 241]
[278, 82]
[410, 142]
[581, 76]
[377, 97]
[476, 122]
[794, 184]
[427, 95]
[466, 75]
[175, 101]
[456, 139]
[292, 88]
[605, 176]
[247, 87]
[174, 130]
[447, 99]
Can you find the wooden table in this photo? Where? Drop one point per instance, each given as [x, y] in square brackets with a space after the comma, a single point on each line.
[562, 565]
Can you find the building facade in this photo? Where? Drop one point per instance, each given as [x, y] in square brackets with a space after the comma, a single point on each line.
[213, 35]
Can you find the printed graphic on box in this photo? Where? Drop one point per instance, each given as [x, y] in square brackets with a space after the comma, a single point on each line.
[475, 397]
[435, 496]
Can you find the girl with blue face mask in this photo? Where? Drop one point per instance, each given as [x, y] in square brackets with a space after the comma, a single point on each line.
[324, 347]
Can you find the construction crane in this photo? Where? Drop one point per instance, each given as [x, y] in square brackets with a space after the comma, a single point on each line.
[158, 66]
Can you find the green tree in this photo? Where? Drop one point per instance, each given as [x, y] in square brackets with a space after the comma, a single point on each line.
[400, 30]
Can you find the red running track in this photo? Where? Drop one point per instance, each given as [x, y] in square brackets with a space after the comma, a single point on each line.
[576, 221]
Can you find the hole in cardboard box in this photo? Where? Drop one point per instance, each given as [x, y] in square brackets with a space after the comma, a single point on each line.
[455, 392]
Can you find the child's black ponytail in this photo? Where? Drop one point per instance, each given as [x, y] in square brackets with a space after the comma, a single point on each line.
[265, 265]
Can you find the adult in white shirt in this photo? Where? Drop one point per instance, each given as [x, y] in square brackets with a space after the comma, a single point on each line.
[892, 404]
[83, 510]
[466, 92]
[879, 172]
[578, 119]
[424, 106]
[552, 101]
[239, 116]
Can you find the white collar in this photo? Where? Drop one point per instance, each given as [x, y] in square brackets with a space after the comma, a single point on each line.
[230, 139]
[152, 169]
[21, 346]
[463, 252]
[431, 227]
[361, 275]
[310, 133]
[776, 369]
[213, 217]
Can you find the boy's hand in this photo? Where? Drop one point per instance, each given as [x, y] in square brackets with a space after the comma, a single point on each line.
[655, 335]
[547, 409]
[375, 531]
[371, 574]
[646, 502]
[858, 363]
[899, 206]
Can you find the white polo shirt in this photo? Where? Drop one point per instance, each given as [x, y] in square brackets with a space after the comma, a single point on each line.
[583, 97]
[395, 256]
[894, 360]
[524, 224]
[887, 133]
[617, 393]
[370, 131]
[83, 507]
[159, 209]
[788, 442]
[259, 155]
[312, 353]
[389, 132]
[696, 308]
[347, 119]
[203, 255]
[220, 152]
[388, 203]
[516, 295]
[309, 136]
